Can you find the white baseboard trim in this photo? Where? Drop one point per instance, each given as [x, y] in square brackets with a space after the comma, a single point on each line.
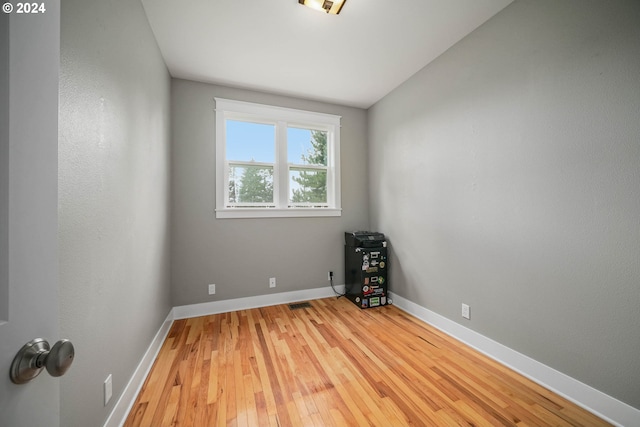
[224, 306]
[597, 402]
[601, 404]
[124, 404]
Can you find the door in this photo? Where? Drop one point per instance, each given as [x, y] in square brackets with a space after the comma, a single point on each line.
[29, 62]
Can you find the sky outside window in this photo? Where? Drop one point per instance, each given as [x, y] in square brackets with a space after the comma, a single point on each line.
[251, 141]
[298, 143]
[248, 141]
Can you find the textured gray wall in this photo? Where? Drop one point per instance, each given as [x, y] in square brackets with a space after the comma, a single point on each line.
[507, 176]
[114, 198]
[239, 255]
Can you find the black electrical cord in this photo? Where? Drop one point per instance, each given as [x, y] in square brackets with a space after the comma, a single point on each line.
[334, 289]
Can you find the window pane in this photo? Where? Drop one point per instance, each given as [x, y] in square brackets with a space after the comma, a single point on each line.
[306, 146]
[250, 141]
[307, 186]
[250, 184]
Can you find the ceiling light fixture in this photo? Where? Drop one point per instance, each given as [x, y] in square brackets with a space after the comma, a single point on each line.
[333, 7]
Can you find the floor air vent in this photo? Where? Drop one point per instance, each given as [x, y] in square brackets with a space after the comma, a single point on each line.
[299, 305]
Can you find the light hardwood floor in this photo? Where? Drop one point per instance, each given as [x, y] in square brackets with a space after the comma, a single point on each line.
[335, 365]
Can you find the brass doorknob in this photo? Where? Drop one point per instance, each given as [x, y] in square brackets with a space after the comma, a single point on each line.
[36, 355]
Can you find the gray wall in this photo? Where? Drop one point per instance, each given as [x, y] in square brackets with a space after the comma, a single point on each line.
[507, 176]
[239, 255]
[114, 198]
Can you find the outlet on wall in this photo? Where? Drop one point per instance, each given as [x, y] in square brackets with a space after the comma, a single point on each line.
[212, 289]
[272, 282]
[466, 311]
[330, 275]
[108, 389]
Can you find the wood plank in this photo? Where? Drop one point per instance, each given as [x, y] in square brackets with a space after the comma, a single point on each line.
[334, 364]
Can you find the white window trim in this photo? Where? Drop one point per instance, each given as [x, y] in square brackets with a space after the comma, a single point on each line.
[230, 109]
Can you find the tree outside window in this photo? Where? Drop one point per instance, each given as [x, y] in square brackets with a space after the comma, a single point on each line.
[274, 161]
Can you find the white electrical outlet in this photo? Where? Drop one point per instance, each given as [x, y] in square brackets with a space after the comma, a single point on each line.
[212, 289]
[465, 311]
[272, 282]
[330, 275]
[108, 390]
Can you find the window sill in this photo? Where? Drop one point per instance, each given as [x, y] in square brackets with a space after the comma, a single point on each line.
[277, 213]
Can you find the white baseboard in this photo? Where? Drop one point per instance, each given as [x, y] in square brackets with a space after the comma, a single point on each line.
[224, 306]
[597, 402]
[124, 404]
[601, 404]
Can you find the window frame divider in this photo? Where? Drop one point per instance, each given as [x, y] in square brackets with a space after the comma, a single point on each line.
[283, 118]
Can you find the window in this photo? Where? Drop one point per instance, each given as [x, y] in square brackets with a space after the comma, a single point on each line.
[276, 162]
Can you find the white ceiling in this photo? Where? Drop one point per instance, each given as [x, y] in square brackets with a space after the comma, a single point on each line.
[279, 46]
